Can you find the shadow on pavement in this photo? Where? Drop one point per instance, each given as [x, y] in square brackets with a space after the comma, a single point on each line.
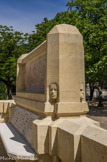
[98, 113]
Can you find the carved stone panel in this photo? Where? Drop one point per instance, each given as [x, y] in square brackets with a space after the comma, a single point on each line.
[22, 120]
[35, 75]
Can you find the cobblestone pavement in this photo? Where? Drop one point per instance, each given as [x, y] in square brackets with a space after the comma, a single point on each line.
[98, 113]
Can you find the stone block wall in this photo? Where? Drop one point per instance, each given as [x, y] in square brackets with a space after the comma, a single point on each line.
[4, 109]
[94, 145]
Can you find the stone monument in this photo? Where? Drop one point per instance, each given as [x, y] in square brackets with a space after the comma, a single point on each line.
[58, 62]
[51, 84]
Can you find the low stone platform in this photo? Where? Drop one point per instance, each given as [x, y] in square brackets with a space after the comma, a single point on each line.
[16, 146]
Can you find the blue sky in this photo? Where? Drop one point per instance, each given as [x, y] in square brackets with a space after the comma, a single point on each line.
[23, 15]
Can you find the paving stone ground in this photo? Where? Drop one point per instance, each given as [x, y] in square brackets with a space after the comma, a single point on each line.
[98, 113]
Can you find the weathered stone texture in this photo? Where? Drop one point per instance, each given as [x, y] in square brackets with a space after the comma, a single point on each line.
[22, 120]
[35, 75]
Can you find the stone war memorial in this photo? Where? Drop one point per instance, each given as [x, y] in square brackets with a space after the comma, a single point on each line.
[47, 121]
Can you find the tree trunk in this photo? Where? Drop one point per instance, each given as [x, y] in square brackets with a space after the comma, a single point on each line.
[91, 92]
[100, 104]
[9, 92]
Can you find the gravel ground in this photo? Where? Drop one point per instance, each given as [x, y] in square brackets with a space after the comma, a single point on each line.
[98, 113]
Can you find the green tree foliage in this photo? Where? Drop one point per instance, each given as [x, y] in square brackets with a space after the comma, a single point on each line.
[90, 18]
[11, 47]
[92, 23]
[3, 91]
